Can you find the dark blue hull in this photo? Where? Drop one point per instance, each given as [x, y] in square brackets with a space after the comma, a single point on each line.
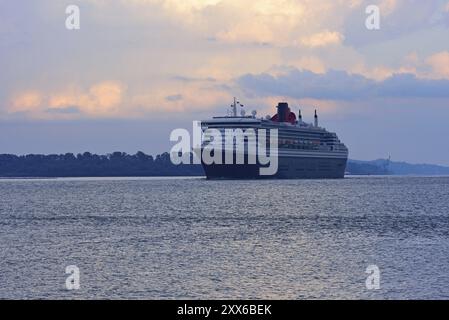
[288, 168]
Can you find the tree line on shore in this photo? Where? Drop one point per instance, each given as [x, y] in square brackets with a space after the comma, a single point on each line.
[116, 164]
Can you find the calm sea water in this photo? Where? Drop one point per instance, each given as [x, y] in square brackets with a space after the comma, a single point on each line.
[193, 238]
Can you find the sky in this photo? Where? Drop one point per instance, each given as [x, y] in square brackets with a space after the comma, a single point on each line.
[137, 69]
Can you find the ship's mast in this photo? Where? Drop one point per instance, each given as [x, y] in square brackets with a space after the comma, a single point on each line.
[234, 107]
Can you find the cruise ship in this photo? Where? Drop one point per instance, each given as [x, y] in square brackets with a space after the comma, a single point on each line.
[304, 150]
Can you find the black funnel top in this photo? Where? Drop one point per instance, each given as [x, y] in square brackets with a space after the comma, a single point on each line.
[282, 111]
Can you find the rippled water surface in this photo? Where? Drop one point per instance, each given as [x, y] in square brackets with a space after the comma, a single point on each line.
[193, 238]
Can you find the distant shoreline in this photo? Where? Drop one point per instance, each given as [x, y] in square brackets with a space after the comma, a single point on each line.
[198, 177]
[120, 164]
[104, 178]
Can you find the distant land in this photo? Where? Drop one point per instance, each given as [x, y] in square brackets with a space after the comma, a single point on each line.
[120, 164]
[396, 168]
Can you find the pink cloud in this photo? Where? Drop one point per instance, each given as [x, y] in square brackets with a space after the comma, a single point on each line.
[439, 63]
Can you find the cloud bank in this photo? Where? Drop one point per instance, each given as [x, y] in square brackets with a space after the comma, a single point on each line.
[341, 85]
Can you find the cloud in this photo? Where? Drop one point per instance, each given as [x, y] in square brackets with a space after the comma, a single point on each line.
[439, 63]
[310, 63]
[175, 97]
[275, 22]
[408, 86]
[101, 99]
[387, 7]
[410, 64]
[26, 101]
[192, 79]
[191, 97]
[144, 43]
[340, 85]
[66, 110]
[322, 39]
[398, 18]
[434, 66]
[113, 99]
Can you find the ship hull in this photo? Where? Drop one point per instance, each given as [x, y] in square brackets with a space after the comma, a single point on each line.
[288, 168]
